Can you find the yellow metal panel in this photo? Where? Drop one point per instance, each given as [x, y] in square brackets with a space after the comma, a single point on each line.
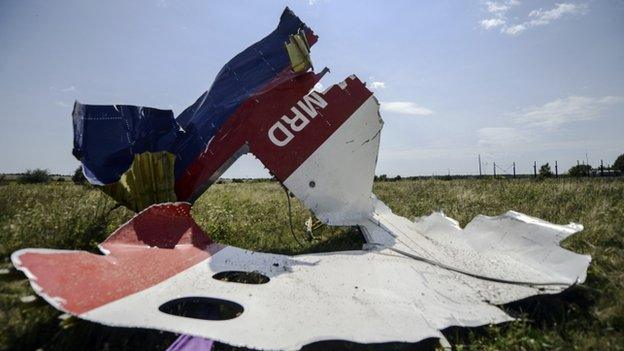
[149, 180]
[299, 52]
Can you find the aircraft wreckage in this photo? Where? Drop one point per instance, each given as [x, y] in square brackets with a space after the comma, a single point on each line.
[412, 278]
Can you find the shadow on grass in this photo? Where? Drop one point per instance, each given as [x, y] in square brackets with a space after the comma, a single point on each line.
[425, 345]
[347, 239]
[95, 232]
[85, 335]
[567, 312]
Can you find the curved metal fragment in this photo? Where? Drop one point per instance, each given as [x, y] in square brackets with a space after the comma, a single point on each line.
[161, 255]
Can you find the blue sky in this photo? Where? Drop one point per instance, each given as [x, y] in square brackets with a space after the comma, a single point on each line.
[511, 80]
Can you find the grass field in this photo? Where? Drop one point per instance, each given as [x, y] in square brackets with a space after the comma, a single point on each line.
[254, 216]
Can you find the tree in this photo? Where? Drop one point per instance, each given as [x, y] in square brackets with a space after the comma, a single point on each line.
[544, 171]
[78, 177]
[382, 178]
[619, 163]
[580, 171]
[35, 176]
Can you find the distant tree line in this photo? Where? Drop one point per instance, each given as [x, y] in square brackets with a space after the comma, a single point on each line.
[384, 178]
[38, 175]
[42, 176]
[583, 170]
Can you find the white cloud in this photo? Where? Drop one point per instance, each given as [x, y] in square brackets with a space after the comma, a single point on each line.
[501, 136]
[498, 12]
[514, 30]
[541, 18]
[62, 104]
[500, 7]
[565, 110]
[492, 23]
[378, 85]
[68, 89]
[497, 9]
[405, 108]
[318, 87]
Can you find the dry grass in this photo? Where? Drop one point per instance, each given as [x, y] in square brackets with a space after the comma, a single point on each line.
[254, 216]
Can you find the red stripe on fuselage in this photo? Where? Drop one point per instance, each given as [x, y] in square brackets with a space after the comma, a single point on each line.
[251, 123]
[282, 161]
[157, 244]
[274, 98]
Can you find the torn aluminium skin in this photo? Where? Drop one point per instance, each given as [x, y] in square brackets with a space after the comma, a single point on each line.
[412, 279]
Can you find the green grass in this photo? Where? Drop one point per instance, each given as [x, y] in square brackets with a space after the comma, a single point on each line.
[254, 216]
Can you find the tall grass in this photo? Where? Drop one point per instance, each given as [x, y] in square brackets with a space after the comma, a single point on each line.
[254, 216]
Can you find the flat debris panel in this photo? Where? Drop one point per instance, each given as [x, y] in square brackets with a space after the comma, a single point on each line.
[367, 296]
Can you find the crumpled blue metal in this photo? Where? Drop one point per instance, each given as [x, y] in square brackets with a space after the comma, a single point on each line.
[106, 137]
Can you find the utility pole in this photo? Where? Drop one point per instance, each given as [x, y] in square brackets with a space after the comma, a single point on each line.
[495, 169]
[480, 165]
[556, 170]
[535, 169]
[601, 169]
[514, 169]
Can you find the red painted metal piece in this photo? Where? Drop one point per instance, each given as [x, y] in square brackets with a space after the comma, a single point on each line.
[156, 244]
[251, 123]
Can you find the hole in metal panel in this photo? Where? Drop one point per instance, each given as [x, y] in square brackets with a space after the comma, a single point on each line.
[242, 277]
[312, 184]
[205, 308]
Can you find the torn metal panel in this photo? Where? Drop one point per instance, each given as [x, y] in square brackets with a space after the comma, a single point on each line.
[336, 179]
[149, 180]
[138, 255]
[363, 296]
[299, 52]
[161, 258]
[512, 247]
[249, 130]
[511, 256]
[107, 137]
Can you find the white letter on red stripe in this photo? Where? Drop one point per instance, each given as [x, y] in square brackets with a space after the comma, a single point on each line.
[313, 99]
[298, 122]
[286, 133]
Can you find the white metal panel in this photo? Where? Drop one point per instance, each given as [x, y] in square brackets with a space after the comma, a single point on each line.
[509, 248]
[363, 296]
[335, 182]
